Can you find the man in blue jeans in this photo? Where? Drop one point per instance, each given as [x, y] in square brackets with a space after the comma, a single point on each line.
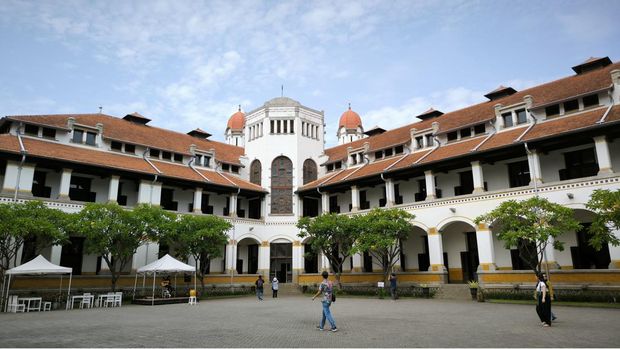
[326, 288]
[259, 287]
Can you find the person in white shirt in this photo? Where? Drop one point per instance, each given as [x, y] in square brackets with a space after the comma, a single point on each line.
[543, 305]
[275, 286]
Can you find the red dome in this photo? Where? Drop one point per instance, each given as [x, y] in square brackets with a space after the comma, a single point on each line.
[236, 121]
[350, 120]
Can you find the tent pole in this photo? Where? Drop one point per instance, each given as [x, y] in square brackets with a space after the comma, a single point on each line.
[153, 298]
[69, 289]
[175, 283]
[195, 283]
[6, 300]
[134, 286]
[2, 297]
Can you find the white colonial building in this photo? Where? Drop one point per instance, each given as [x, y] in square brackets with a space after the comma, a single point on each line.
[558, 140]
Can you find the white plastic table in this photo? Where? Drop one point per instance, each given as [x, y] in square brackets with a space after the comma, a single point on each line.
[80, 298]
[27, 301]
[102, 299]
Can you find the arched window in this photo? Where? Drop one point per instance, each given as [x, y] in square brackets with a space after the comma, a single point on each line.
[255, 172]
[281, 185]
[310, 173]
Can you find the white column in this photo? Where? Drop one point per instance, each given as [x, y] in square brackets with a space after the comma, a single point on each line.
[533, 161]
[602, 155]
[298, 260]
[435, 251]
[56, 254]
[11, 175]
[476, 170]
[113, 188]
[264, 259]
[429, 179]
[614, 253]
[357, 262]
[65, 184]
[389, 193]
[486, 253]
[397, 264]
[233, 205]
[198, 200]
[155, 196]
[550, 251]
[144, 192]
[231, 256]
[355, 199]
[325, 202]
[263, 207]
[325, 265]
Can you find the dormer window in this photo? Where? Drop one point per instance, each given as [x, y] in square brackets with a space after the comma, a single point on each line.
[31, 130]
[479, 129]
[466, 132]
[419, 142]
[130, 148]
[399, 149]
[203, 160]
[118, 146]
[521, 117]
[166, 155]
[453, 136]
[507, 119]
[590, 101]
[154, 153]
[571, 105]
[552, 110]
[178, 157]
[84, 137]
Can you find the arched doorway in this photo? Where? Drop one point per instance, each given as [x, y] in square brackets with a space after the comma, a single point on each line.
[281, 185]
[281, 260]
[582, 255]
[247, 256]
[414, 251]
[460, 251]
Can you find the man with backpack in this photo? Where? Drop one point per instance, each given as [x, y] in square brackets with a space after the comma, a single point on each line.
[327, 288]
[259, 287]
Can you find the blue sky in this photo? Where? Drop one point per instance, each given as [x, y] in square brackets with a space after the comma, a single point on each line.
[188, 64]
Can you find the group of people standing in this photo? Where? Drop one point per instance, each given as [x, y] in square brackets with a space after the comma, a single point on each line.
[260, 287]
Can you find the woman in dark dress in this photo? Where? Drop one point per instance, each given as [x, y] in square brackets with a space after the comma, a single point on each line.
[543, 306]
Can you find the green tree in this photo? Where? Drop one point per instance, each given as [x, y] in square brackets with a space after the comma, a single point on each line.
[332, 234]
[200, 237]
[115, 233]
[31, 221]
[382, 233]
[606, 206]
[529, 225]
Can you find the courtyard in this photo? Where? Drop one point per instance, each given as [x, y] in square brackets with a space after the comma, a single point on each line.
[291, 322]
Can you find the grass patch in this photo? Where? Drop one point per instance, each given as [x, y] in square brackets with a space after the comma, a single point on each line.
[558, 303]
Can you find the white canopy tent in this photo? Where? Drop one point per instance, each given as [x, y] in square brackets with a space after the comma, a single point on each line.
[38, 266]
[166, 264]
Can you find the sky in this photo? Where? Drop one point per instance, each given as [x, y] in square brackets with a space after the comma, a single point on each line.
[189, 64]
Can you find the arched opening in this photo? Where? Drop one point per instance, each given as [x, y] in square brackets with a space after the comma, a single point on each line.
[460, 252]
[281, 185]
[520, 257]
[247, 256]
[309, 171]
[281, 260]
[577, 252]
[414, 251]
[255, 172]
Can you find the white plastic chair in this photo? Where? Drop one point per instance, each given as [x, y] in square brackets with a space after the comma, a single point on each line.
[192, 300]
[86, 301]
[14, 306]
[47, 306]
[109, 300]
[118, 299]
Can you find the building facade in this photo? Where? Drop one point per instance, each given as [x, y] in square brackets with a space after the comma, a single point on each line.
[558, 140]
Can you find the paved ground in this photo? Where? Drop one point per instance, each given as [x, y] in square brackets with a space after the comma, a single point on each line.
[290, 322]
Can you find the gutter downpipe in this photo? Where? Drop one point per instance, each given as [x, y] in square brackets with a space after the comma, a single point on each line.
[191, 165]
[146, 258]
[611, 98]
[23, 152]
[544, 251]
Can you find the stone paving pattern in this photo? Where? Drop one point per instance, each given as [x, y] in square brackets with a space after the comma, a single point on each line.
[291, 322]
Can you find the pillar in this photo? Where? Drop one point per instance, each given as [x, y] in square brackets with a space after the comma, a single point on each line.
[435, 250]
[113, 189]
[233, 205]
[264, 259]
[11, 174]
[550, 251]
[429, 179]
[602, 155]
[231, 254]
[263, 207]
[65, 184]
[476, 170]
[198, 200]
[325, 265]
[614, 253]
[298, 260]
[357, 263]
[389, 193]
[533, 161]
[355, 199]
[325, 202]
[56, 254]
[149, 192]
[486, 252]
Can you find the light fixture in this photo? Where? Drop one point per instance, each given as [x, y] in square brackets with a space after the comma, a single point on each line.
[452, 209]
[251, 228]
[570, 195]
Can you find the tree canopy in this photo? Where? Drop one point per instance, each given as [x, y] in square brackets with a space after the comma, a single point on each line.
[606, 206]
[529, 225]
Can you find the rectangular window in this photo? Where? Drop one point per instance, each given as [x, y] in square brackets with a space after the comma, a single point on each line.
[507, 117]
[579, 164]
[338, 165]
[154, 153]
[590, 101]
[31, 130]
[130, 148]
[116, 146]
[571, 105]
[292, 126]
[284, 126]
[166, 155]
[466, 132]
[225, 167]
[398, 150]
[429, 140]
[521, 116]
[389, 152]
[419, 142]
[303, 128]
[378, 154]
[207, 161]
[90, 138]
[452, 136]
[178, 157]
[78, 135]
[49, 132]
[278, 123]
[330, 167]
[552, 110]
[479, 129]
[519, 174]
[272, 128]
[234, 169]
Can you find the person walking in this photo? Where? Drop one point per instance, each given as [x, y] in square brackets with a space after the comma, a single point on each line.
[327, 288]
[259, 287]
[275, 286]
[543, 306]
[550, 289]
[393, 286]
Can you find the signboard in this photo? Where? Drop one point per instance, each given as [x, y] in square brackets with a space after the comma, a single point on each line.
[381, 284]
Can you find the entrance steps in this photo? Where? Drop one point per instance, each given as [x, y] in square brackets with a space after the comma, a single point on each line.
[288, 290]
[454, 291]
